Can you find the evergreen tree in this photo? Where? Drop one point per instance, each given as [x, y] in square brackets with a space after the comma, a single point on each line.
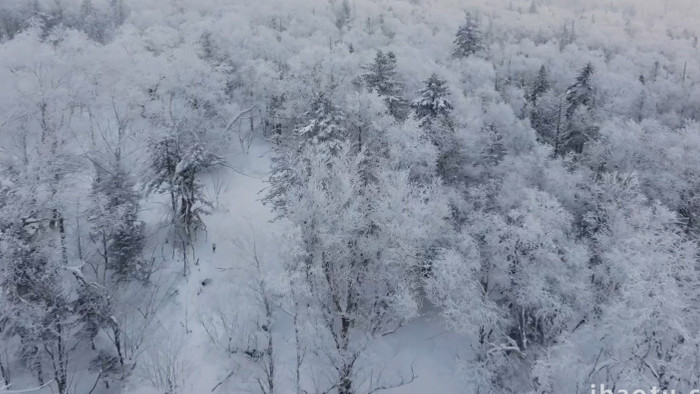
[176, 169]
[165, 155]
[118, 236]
[566, 121]
[343, 15]
[324, 126]
[433, 111]
[469, 40]
[193, 204]
[381, 77]
[433, 105]
[544, 111]
[541, 85]
[119, 11]
[581, 91]
[115, 227]
[323, 130]
[533, 8]
[567, 36]
[580, 107]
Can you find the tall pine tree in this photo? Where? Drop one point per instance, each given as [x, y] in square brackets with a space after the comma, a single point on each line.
[176, 169]
[433, 110]
[581, 91]
[381, 77]
[580, 108]
[433, 105]
[469, 40]
[541, 85]
[115, 228]
[323, 126]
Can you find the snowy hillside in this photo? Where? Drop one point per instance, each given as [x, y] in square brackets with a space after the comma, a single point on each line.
[349, 196]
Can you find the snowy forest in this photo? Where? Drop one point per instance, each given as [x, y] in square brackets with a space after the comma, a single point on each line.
[349, 196]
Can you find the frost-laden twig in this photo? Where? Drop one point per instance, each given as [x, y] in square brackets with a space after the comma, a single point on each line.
[5, 390]
[400, 383]
[237, 117]
[223, 381]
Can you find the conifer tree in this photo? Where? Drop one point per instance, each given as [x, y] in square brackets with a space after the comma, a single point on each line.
[541, 85]
[469, 40]
[544, 108]
[580, 108]
[324, 124]
[113, 216]
[343, 15]
[176, 169]
[381, 77]
[581, 91]
[433, 105]
[533, 8]
[433, 111]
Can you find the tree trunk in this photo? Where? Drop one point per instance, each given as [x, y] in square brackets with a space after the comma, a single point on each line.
[270, 368]
[60, 367]
[5, 373]
[36, 364]
[297, 341]
[345, 385]
[558, 132]
[118, 341]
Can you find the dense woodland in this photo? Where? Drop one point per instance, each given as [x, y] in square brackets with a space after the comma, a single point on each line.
[523, 174]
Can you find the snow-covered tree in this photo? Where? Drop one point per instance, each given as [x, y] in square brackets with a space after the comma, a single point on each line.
[524, 278]
[343, 15]
[433, 104]
[38, 284]
[540, 85]
[323, 125]
[382, 78]
[114, 225]
[533, 8]
[580, 114]
[581, 92]
[546, 109]
[662, 158]
[434, 112]
[363, 247]
[643, 331]
[469, 40]
[176, 170]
